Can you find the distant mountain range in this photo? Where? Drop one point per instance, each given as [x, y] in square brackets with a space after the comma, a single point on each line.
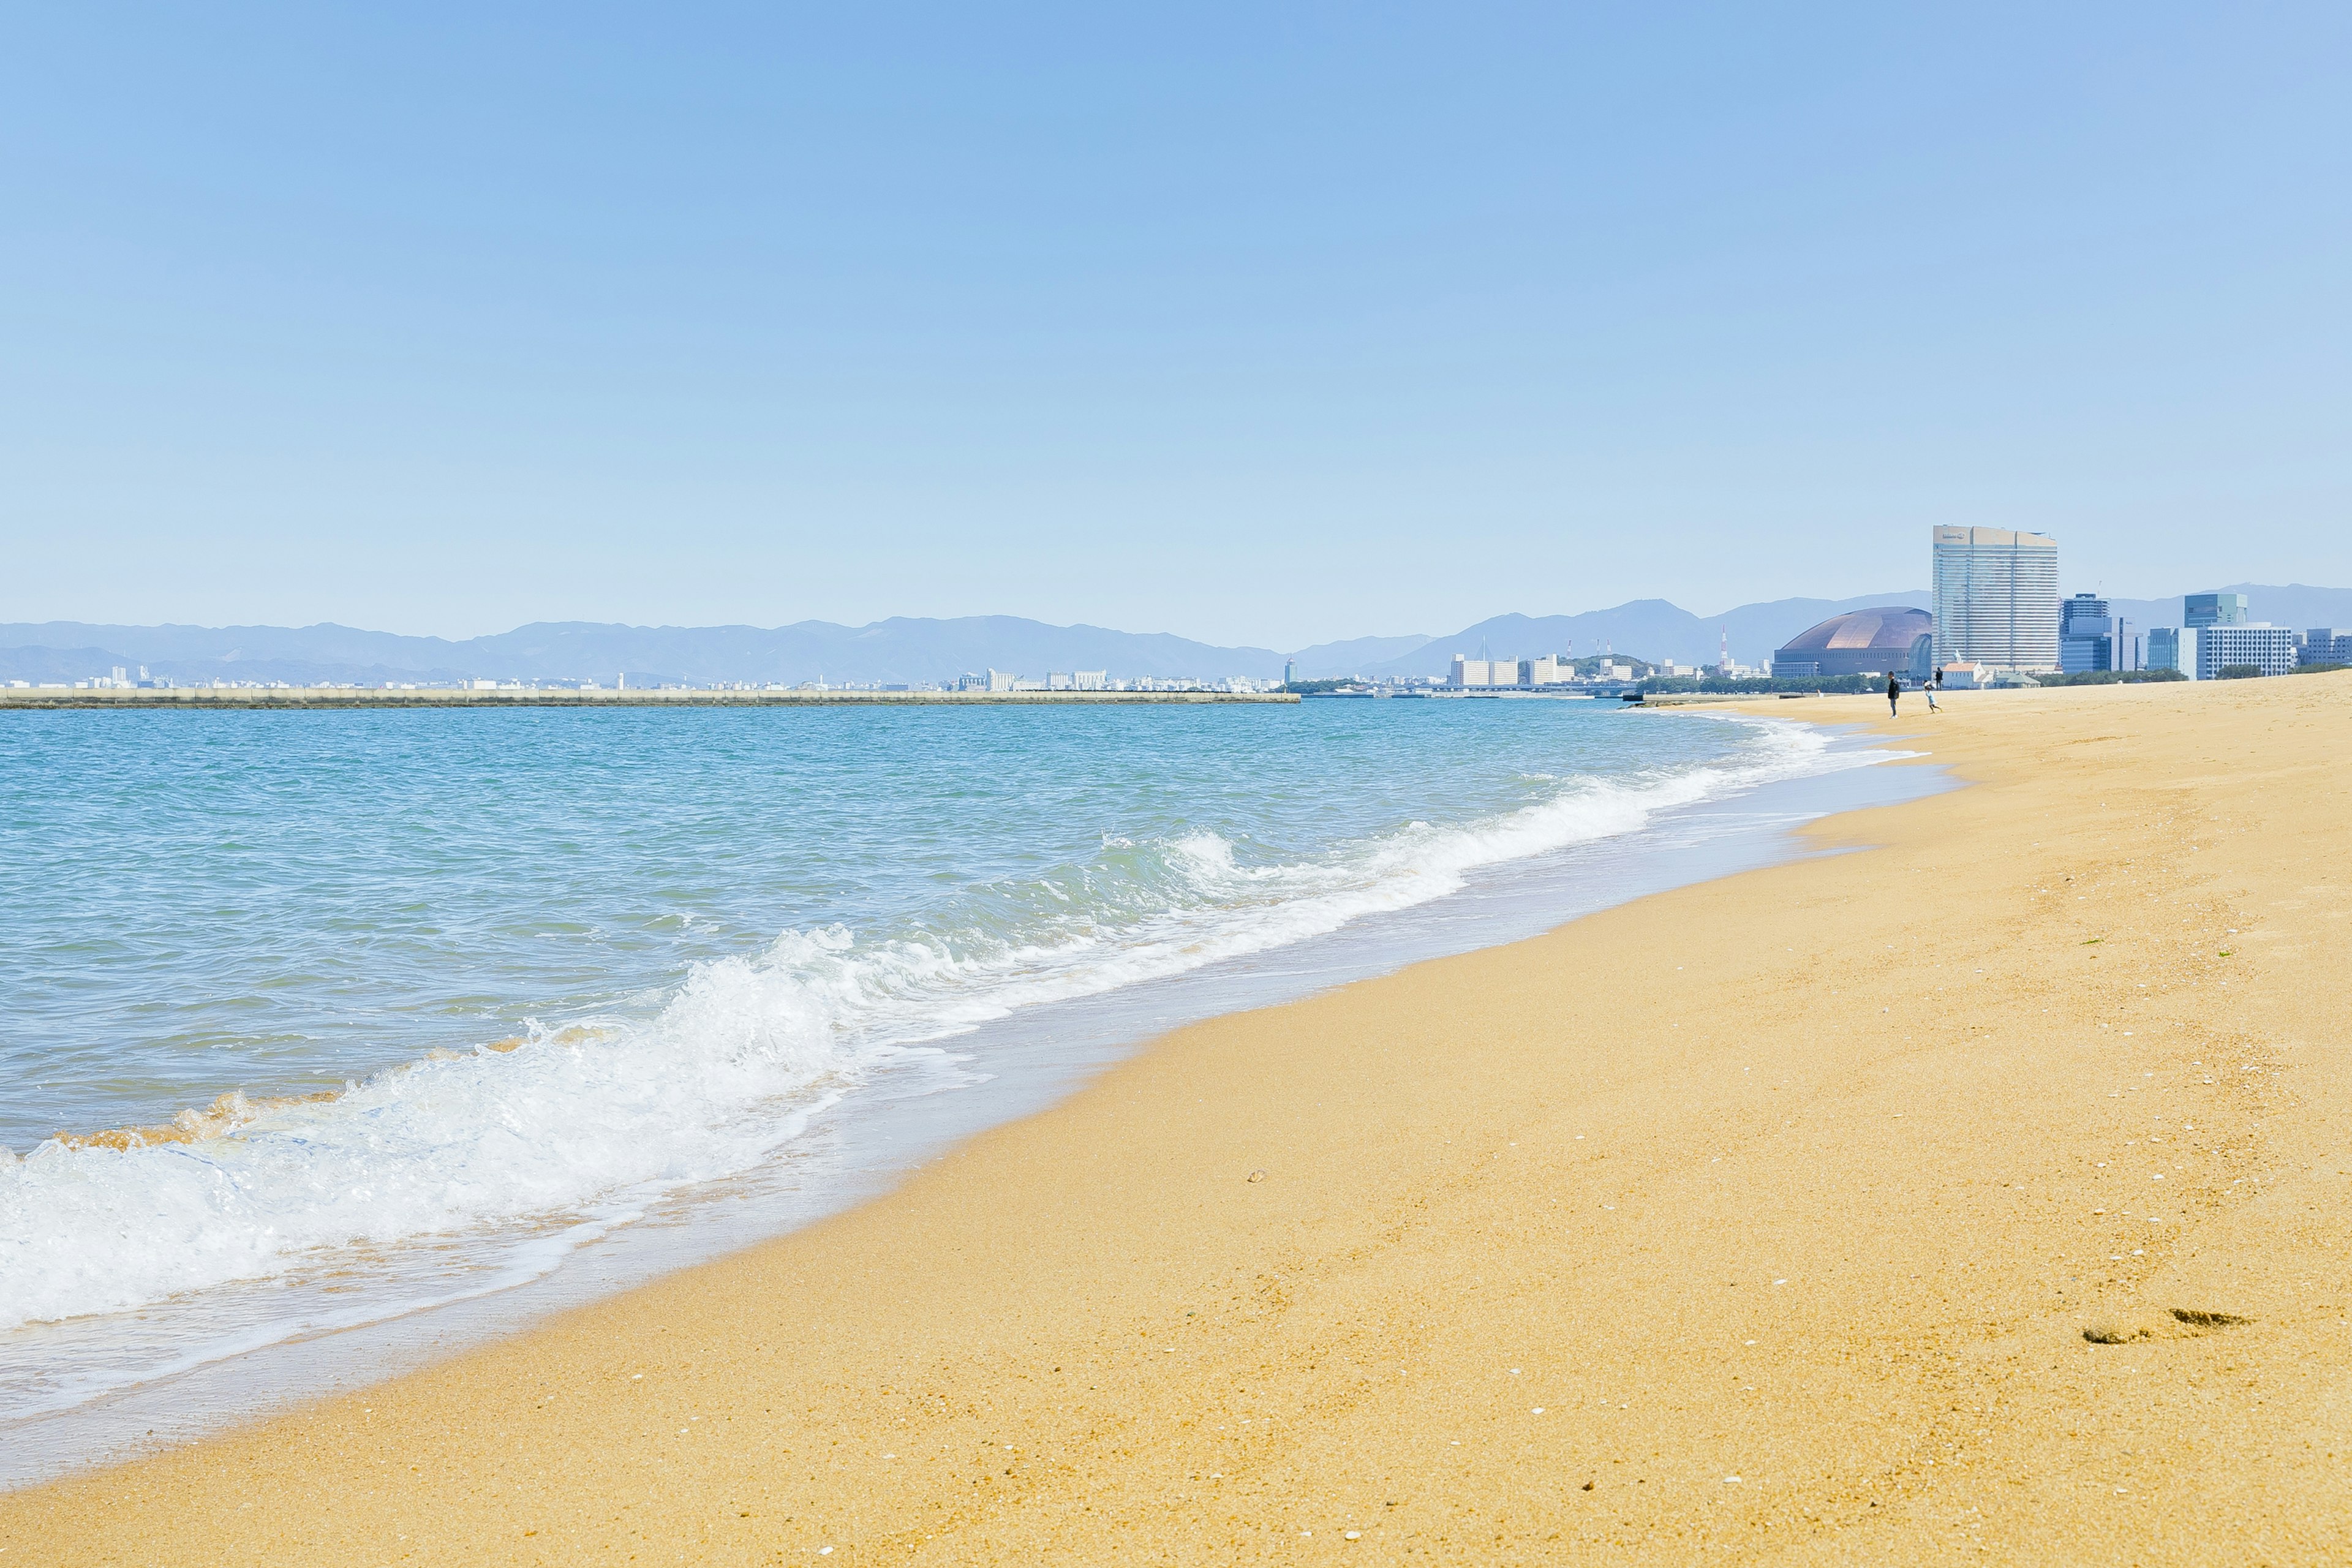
[896, 650]
[1656, 630]
[1649, 629]
[1328, 660]
[914, 649]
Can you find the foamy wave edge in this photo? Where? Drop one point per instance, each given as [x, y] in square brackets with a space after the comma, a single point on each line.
[600, 1111]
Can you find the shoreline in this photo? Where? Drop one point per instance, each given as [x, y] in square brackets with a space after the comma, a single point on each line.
[858, 1149]
[1766, 1214]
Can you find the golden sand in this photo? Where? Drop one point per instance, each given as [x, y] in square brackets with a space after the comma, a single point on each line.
[226, 1114]
[1760, 1220]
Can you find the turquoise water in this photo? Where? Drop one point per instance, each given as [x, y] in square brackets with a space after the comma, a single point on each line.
[352, 988]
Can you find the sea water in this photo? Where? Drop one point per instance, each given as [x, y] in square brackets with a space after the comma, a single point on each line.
[313, 1020]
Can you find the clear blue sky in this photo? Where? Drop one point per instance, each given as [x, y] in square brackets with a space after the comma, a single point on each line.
[1256, 323]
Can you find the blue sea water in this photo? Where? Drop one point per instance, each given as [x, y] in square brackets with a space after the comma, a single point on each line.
[360, 1004]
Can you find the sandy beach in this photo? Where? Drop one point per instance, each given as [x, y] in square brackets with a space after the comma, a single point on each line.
[1761, 1220]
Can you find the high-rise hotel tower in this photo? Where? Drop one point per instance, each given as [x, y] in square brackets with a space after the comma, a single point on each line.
[1996, 597]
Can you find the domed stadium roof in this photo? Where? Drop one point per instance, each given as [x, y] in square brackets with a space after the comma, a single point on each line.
[1889, 628]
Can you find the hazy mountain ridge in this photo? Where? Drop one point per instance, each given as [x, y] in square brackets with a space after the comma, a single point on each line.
[918, 649]
[899, 649]
[1646, 628]
[1329, 659]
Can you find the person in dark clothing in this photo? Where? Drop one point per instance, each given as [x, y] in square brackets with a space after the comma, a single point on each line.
[1893, 693]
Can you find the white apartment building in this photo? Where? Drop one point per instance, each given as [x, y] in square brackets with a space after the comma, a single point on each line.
[2268, 649]
[1551, 670]
[1996, 597]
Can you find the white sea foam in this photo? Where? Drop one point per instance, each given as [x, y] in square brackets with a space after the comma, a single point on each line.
[603, 1113]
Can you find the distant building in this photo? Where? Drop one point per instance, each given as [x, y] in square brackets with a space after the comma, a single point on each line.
[2165, 647]
[1003, 680]
[1889, 640]
[2327, 644]
[1966, 677]
[1289, 672]
[2084, 629]
[1996, 597]
[2270, 650]
[2091, 639]
[2214, 610]
[1091, 679]
[1549, 670]
[1057, 681]
[1483, 672]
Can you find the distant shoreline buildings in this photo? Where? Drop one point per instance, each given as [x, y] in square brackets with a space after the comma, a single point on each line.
[2218, 640]
[1600, 674]
[1001, 680]
[994, 680]
[1999, 620]
[2090, 639]
[1890, 639]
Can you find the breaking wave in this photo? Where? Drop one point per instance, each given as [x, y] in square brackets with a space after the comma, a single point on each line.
[595, 1116]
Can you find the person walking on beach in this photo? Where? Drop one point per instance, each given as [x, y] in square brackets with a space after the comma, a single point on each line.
[1893, 693]
[1934, 681]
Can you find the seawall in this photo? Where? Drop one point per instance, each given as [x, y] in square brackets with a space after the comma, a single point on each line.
[195, 696]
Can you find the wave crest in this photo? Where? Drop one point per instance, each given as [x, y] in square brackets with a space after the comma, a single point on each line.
[544, 1127]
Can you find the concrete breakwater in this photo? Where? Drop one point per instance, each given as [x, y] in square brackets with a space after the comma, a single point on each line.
[206, 696]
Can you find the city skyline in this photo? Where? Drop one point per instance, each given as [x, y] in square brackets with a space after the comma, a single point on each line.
[917, 649]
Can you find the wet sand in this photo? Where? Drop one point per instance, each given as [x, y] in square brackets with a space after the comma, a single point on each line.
[1758, 1220]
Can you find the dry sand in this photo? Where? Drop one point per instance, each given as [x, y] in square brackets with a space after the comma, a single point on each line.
[1760, 1220]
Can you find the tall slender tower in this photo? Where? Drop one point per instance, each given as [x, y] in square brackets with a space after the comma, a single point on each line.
[1996, 597]
[1723, 655]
